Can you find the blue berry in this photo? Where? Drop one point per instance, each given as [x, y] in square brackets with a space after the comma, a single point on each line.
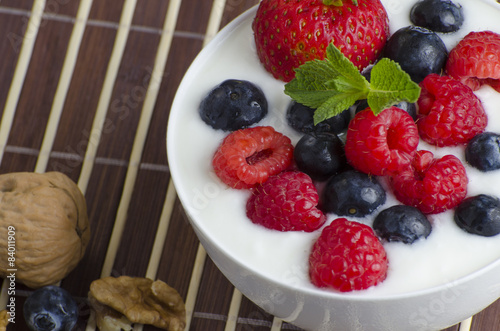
[50, 308]
[320, 155]
[401, 223]
[437, 15]
[301, 118]
[410, 108]
[418, 51]
[479, 215]
[233, 105]
[483, 151]
[352, 193]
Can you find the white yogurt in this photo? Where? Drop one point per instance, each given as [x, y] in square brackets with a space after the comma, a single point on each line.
[446, 255]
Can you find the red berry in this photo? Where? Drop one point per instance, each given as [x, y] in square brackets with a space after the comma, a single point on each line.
[249, 156]
[381, 144]
[286, 202]
[475, 60]
[289, 33]
[431, 185]
[449, 112]
[347, 256]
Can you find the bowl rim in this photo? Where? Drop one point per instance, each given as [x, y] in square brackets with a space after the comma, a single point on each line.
[198, 61]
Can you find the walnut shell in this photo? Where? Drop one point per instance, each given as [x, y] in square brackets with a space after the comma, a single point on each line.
[119, 302]
[46, 215]
[4, 319]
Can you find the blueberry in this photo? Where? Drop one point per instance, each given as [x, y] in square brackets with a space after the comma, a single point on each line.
[352, 193]
[483, 151]
[418, 51]
[50, 308]
[401, 223]
[233, 105]
[410, 108]
[320, 155]
[437, 15]
[367, 72]
[301, 118]
[360, 105]
[479, 215]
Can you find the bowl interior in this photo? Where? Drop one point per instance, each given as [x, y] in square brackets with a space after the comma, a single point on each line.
[217, 212]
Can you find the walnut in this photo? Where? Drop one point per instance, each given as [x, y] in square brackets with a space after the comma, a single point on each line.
[45, 227]
[119, 302]
[4, 319]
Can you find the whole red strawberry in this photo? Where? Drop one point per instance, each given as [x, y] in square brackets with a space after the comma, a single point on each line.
[449, 113]
[247, 157]
[347, 256]
[430, 184]
[286, 202]
[475, 60]
[381, 144]
[290, 32]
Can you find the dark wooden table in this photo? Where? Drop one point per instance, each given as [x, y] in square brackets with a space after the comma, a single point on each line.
[86, 87]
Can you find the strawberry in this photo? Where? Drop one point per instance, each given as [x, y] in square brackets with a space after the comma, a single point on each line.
[290, 32]
[475, 60]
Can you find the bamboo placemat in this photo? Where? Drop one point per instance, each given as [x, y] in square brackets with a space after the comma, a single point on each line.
[86, 88]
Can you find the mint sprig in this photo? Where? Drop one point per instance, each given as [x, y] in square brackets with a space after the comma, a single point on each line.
[334, 84]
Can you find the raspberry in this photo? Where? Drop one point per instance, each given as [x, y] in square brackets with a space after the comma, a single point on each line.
[249, 156]
[286, 202]
[475, 61]
[381, 144]
[430, 184]
[449, 112]
[347, 257]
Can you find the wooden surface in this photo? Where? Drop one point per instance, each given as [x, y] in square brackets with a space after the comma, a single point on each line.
[86, 88]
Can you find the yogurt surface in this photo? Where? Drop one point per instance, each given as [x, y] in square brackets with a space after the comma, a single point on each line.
[448, 254]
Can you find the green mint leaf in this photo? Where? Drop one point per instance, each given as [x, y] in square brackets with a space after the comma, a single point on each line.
[330, 86]
[310, 85]
[334, 84]
[389, 85]
[337, 3]
[335, 104]
[348, 74]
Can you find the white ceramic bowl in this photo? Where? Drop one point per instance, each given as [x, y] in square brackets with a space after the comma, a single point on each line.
[226, 236]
